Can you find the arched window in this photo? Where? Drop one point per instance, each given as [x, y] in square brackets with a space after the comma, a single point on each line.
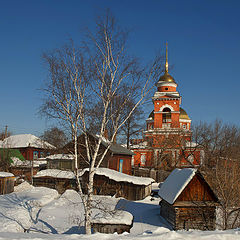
[166, 116]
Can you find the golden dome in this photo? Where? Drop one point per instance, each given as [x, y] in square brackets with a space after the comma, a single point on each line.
[183, 114]
[167, 78]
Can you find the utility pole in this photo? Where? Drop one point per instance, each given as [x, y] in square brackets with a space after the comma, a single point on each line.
[6, 127]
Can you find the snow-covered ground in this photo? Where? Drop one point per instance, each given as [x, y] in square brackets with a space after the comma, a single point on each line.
[44, 214]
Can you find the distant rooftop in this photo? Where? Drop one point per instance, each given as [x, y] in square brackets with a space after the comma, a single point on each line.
[25, 140]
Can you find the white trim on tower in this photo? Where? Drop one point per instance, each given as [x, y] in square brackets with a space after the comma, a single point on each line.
[166, 106]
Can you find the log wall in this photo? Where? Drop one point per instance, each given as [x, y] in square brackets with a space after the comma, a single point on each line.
[60, 184]
[200, 217]
[6, 185]
[105, 186]
[168, 212]
[111, 228]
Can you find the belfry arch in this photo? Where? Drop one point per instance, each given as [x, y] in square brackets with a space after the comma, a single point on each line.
[166, 115]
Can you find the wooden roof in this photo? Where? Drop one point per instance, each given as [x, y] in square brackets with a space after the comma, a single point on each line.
[186, 185]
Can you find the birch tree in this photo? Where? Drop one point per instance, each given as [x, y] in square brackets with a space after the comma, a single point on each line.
[94, 75]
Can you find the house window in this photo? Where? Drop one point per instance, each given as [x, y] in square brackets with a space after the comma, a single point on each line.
[143, 160]
[35, 155]
[120, 165]
[132, 160]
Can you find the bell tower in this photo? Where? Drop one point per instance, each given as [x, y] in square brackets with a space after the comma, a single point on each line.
[166, 101]
[168, 130]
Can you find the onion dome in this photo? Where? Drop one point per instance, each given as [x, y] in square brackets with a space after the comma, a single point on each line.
[183, 114]
[166, 78]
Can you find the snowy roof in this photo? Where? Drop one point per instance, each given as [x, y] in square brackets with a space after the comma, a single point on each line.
[16, 162]
[116, 217]
[25, 140]
[142, 145]
[60, 156]
[121, 177]
[56, 173]
[6, 174]
[175, 183]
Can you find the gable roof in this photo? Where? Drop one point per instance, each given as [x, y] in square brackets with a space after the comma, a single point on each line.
[25, 140]
[175, 183]
[114, 148]
[118, 149]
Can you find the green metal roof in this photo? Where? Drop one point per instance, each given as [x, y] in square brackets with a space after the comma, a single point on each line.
[11, 153]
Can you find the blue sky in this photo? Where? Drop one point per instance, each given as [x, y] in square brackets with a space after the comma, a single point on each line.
[203, 38]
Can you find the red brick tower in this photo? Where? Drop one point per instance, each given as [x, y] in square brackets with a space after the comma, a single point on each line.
[168, 127]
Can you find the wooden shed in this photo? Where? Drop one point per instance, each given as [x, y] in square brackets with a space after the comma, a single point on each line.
[118, 221]
[6, 182]
[111, 182]
[188, 202]
[55, 179]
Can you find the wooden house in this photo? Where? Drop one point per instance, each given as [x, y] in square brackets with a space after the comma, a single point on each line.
[117, 158]
[188, 202]
[6, 182]
[111, 182]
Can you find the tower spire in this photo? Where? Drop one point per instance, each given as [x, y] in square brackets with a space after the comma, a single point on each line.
[166, 64]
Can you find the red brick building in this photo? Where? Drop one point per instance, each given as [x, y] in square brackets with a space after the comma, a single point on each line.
[167, 140]
[30, 146]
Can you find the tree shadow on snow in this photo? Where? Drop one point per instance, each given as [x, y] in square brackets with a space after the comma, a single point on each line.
[143, 212]
[14, 201]
[75, 230]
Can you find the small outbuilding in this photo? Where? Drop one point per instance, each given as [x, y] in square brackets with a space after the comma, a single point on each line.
[6, 182]
[111, 182]
[55, 179]
[118, 221]
[188, 202]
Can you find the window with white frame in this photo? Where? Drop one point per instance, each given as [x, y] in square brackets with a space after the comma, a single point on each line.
[143, 159]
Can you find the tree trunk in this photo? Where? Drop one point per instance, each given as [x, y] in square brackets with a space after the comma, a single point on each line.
[89, 202]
